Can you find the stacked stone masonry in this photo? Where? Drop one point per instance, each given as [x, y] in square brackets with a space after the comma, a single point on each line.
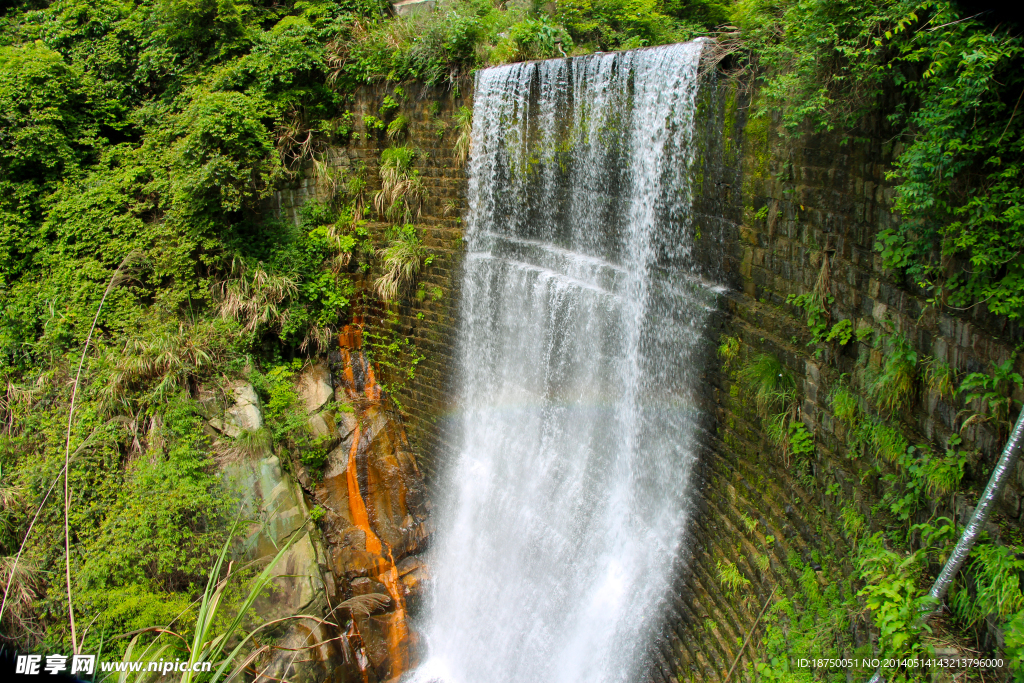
[779, 204]
[427, 322]
[823, 198]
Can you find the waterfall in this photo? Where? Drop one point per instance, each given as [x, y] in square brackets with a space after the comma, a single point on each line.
[582, 308]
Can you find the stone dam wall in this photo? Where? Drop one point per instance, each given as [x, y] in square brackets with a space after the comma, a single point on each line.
[773, 211]
[782, 208]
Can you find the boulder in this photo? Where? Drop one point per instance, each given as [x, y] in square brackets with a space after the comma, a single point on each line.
[243, 414]
[314, 387]
[406, 8]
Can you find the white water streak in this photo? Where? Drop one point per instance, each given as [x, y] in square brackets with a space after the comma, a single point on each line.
[567, 502]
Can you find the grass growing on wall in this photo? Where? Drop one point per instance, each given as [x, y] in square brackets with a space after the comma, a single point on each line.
[897, 547]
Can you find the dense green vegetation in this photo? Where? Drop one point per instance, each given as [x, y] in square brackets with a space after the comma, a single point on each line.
[948, 85]
[138, 143]
[898, 548]
[957, 82]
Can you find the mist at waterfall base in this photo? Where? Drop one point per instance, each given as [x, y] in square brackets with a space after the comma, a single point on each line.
[582, 310]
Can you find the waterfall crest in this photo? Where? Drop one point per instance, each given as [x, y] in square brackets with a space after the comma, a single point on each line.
[582, 310]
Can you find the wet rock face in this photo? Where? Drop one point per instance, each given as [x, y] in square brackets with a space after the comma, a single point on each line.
[359, 566]
[375, 522]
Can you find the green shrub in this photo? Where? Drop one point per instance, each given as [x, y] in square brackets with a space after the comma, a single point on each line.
[401, 261]
[892, 594]
[887, 442]
[991, 392]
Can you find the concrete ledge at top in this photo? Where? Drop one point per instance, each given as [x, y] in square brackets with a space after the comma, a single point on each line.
[407, 8]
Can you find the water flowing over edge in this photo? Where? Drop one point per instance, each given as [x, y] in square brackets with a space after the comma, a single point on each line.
[582, 309]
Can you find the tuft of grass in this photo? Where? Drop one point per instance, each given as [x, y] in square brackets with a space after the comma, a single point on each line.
[887, 442]
[464, 126]
[940, 378]
[398, 127]
[251, 444]
[845, 405]
[25, 581]
[401, 188]
[943, 475]
[854, 523]
[254, 296]
[401, 260]
[770, 383]
[163, 358]
[728, 350]
[892, 385]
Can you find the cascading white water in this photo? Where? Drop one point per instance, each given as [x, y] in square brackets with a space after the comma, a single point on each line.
[580, 321]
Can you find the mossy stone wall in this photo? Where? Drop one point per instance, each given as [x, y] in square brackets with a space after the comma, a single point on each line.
[824, 198]
[427, 322]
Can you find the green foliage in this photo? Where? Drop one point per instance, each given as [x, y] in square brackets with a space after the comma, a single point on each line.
[460, 35]
[625, 24]
[887, 442]
[773, 389]
[943, 474]
[1013, 645]
[191, 28]
[893, 594]
[814, 305]
[841, 333]
[317, 513]
[730, 578]
[940, 377]
[891, 386]
[401, 261]
[394, 354]
[397, 127]
[219, 636]
[854, 523]
[315, 458]
[401, 186]
[373, 124]
[388, 106]
[769, 382]
[845, 405]
[464, 125]
[41, 99]
[812, 623]
[994, 591]
[537, 39]
[991, 393]
[958, 176]
[801, 441]
[968, 203]
[434, 47]
[997, 573]
[729, 349]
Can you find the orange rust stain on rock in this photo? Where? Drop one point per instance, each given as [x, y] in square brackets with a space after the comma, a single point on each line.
[356, 504]
[381, 525]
